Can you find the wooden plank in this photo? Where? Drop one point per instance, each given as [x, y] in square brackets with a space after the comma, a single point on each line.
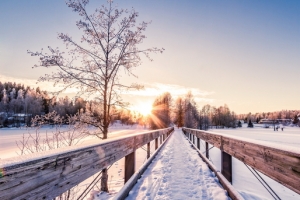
[129, 166]
[148, 150]
[281, 165]
[206, 150]
[226, 166]
[193, 139]
[48, 177]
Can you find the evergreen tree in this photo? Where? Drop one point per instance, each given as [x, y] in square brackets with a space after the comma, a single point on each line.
[295, 119]
[250, 124]
[239, 124]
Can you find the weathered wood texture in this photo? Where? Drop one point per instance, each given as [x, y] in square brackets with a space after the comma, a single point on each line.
[148, 150]
[198, 143]
[226, 166]
[280, 165]
[50, 176]
[129, 166]
[206, 150]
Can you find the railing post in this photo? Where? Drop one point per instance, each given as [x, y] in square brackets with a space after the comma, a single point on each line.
[226, 165]
[148, 150]
[198, 143]
[206, 150]
[156, 143]
[193, 139]
[129, 165]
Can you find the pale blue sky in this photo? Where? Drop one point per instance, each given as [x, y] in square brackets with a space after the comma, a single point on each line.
[243, 53]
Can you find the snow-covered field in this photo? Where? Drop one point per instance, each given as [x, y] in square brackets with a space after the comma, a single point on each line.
[9, 150]
[161, 174]
[9, 137]
[243, 179]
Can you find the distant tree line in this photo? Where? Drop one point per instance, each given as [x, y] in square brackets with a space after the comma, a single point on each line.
[187, 113]
[184, 112]
[161, 112]
[19, 104]
[293, 115]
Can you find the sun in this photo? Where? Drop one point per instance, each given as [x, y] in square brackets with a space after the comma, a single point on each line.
[143, 108]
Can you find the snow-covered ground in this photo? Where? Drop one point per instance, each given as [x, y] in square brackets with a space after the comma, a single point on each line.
[243, 179]
[10, 136]
[9, 150]
[178, 172]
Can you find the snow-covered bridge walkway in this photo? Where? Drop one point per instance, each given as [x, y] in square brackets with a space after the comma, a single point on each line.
[178, 172]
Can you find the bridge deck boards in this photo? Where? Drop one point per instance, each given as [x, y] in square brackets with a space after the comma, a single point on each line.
[178, 172]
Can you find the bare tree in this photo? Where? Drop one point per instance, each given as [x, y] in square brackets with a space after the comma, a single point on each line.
[179, 112]
[160, 117]
[109, 43]
[191, 115]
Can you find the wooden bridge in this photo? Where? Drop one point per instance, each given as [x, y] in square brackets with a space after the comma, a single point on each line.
[47, 176]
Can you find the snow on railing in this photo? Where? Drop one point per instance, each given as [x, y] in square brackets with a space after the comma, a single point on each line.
[279, 162]
[47, 175]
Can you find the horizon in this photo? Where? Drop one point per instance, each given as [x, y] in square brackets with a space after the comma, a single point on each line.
[243, 54]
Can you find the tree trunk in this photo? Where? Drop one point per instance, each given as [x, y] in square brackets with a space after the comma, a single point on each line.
[105, 132]
[104, 179]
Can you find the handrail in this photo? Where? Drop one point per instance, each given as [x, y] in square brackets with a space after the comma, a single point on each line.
[278, 162]
[49, 176]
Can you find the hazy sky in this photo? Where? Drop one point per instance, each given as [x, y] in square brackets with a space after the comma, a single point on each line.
[242, 53]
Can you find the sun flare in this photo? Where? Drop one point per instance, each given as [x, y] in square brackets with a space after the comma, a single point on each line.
[143, 108]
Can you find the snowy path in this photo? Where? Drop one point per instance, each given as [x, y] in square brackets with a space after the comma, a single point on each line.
[178, 172]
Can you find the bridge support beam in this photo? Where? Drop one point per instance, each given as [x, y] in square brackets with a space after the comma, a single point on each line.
[129, 165]
[156, 143]
[206, 150]
[198, 143]
[226, 166]
[148, 150]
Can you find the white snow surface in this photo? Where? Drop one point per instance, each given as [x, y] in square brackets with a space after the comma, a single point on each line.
[279, 146]
[86, 143]
[178, 172]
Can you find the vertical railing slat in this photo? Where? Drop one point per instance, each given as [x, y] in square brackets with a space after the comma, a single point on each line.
[226, 166]
[129, 165]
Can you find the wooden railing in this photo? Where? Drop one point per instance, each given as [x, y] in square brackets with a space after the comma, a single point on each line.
[49, 176]
[278, 162]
